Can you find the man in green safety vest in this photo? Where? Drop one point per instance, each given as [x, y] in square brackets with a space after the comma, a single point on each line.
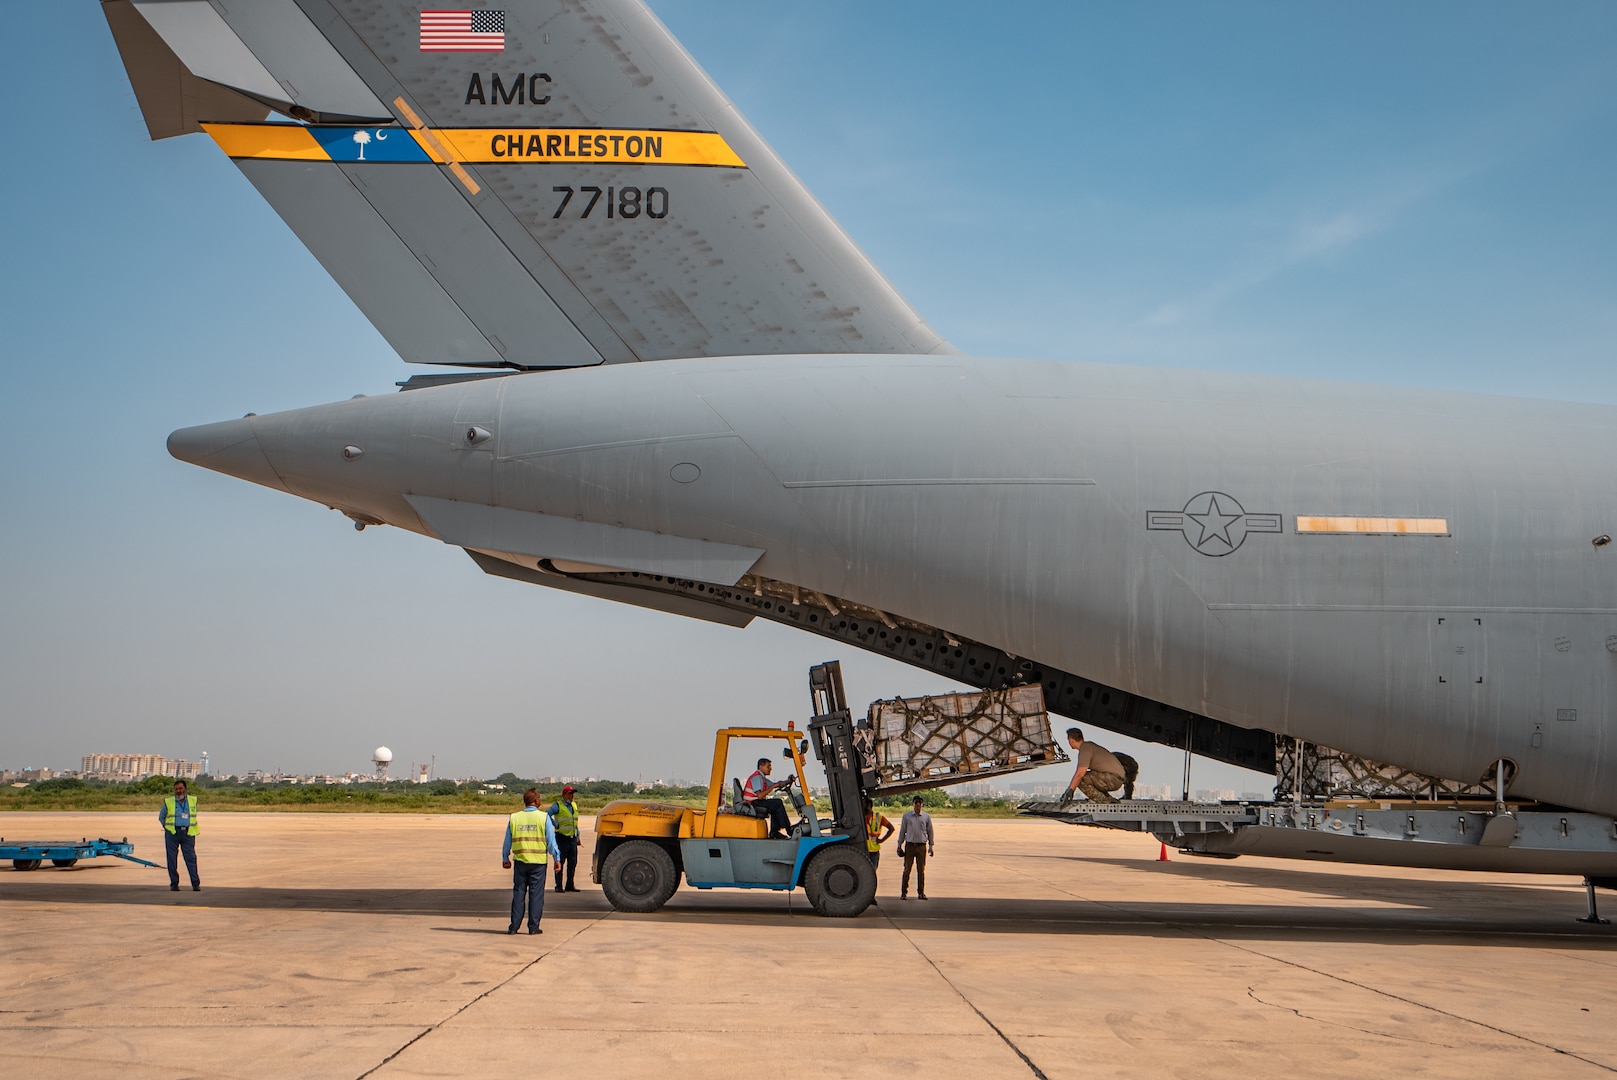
[179, 818]
[564, 817]
[530, 842]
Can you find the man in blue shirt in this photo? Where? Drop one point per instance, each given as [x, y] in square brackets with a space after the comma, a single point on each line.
[179, 818]
[530, 842]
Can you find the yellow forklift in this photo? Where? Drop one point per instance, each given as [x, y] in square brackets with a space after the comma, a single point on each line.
[643, 848]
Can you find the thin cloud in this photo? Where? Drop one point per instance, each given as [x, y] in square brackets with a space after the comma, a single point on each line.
[1315, 237]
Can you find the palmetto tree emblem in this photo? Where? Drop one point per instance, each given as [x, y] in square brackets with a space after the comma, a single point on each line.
[362, 137]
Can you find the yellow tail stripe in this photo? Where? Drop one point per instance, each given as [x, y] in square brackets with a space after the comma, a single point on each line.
[498, 146]
[282, 142]
[574, 146]
[435, 149]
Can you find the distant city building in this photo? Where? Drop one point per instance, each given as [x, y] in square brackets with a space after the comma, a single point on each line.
[127, 767]
[24, 777]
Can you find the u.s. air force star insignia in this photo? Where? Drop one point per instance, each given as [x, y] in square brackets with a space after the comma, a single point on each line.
[1213, 523]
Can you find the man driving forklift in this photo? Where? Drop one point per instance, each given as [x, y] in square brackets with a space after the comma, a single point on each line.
[756, 792]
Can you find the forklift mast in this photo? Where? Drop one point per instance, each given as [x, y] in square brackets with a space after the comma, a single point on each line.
[848, 776]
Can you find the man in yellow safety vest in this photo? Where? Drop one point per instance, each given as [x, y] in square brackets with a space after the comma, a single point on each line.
[877, 830]
[179, 818]
[530, 841]
[564, 816]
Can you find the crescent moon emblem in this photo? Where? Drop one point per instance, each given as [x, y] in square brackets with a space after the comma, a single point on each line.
[380, 135]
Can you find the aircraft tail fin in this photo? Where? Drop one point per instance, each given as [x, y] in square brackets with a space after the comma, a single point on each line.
[553, 184]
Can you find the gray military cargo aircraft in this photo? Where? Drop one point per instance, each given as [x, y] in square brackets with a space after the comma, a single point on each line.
[547, 197]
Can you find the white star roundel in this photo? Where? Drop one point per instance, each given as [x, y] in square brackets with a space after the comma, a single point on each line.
[1213, 523]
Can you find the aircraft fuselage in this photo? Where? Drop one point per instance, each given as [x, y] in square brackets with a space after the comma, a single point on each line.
[1415, 577]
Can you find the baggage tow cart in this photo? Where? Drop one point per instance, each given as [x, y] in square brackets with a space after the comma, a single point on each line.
[62, 854]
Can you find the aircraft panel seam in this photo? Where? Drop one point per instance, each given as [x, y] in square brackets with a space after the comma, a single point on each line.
[395, 91]
[424, 263]
[1446, 608]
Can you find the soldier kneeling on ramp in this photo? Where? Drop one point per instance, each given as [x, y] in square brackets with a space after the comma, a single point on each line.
[1100, 772]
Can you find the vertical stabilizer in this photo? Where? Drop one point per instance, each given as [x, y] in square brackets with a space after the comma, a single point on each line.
[557, 183]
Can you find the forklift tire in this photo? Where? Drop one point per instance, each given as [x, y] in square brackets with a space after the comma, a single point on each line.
[63, 864]
[25, 864]
[840, 881]
[639, 876]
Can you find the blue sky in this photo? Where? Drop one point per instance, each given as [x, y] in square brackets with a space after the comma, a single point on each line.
[1418, 195]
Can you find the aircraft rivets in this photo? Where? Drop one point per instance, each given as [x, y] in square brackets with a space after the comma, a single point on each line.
[352, 453]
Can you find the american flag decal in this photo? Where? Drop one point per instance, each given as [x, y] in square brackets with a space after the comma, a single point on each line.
[463, 31]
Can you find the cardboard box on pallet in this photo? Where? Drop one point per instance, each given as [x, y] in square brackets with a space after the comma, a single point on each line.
[957, 737]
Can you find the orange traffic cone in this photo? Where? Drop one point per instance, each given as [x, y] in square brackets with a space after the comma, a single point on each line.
[1163, 855]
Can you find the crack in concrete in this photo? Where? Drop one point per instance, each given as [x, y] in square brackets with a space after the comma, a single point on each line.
[1006, 1039]
[1345, 981]
[429, 1029]
[1252, 995]
[1191, 931]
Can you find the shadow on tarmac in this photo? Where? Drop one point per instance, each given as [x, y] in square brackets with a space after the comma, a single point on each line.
[1315, 878]
[1501, 914]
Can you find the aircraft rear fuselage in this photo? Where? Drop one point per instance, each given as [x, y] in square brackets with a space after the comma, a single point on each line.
[1416, 577]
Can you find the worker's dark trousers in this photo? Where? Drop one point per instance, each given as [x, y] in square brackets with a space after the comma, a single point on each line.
[175, 843]
[529, 878]
[914, 855]
[569, 858]
[777, 814]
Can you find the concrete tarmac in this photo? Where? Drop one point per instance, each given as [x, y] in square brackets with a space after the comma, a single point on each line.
[336, 945]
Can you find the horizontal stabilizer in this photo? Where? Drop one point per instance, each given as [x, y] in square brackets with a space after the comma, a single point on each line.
[591, 545]
[267, 50]
[172, 100]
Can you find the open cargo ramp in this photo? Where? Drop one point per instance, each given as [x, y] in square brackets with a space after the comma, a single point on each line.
[1521, 839]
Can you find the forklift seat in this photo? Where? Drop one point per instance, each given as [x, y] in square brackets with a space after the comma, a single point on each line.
[740, 805]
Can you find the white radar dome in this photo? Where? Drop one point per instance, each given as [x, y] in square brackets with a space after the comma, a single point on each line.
[382, 754]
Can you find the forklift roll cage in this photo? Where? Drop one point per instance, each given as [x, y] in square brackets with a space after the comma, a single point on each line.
[642, 848]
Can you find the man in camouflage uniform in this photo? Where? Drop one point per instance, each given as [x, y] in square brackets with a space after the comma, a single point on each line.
[1098, 774]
